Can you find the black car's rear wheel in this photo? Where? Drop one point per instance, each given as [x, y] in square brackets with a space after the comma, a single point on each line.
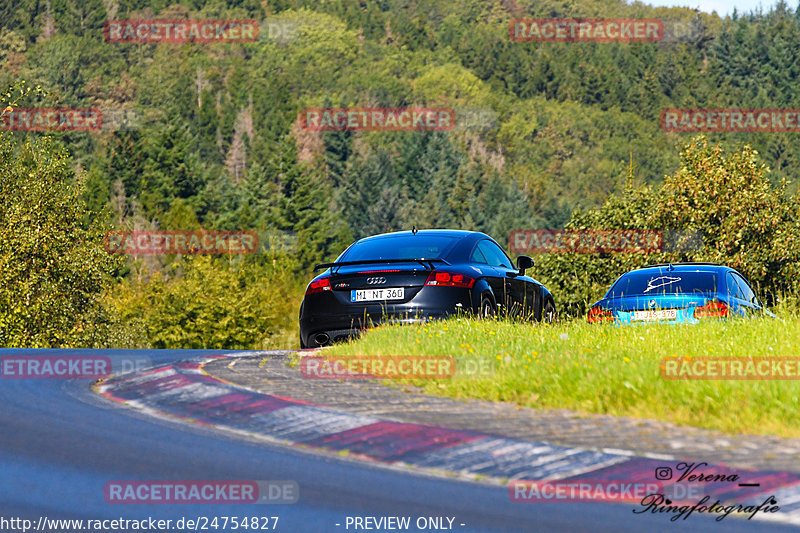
[487, 307]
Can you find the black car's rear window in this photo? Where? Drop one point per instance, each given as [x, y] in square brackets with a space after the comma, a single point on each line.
[663, 283]
[401, 247]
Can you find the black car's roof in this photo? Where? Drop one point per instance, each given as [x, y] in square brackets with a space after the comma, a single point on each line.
[458, 253]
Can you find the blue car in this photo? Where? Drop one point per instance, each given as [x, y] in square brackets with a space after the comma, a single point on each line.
[677, 293]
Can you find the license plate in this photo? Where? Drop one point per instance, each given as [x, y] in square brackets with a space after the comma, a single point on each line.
[371, 295]
[660, 314]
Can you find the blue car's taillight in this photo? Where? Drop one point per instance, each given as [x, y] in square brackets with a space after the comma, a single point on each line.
[598, 314]
[711, 310]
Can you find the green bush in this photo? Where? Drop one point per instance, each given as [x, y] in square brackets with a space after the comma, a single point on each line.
[204, 302]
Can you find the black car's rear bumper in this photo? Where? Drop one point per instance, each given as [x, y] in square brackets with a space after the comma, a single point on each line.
[324, 318]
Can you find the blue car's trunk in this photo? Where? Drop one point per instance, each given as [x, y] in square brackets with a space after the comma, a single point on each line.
[657, 308]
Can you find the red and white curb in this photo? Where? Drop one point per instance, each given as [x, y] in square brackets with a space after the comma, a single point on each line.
[186, 392]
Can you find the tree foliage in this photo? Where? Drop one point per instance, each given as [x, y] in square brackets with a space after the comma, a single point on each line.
[53, 268]
[545, 132]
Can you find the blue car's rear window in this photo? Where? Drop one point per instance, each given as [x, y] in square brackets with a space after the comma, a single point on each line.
[401, 247]
[663, 283]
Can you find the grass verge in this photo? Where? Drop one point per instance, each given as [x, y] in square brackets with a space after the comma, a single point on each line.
[607, 369]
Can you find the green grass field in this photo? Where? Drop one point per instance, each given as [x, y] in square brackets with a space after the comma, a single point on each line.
[607, 369]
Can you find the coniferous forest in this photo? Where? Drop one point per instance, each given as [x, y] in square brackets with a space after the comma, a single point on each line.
[547, 135]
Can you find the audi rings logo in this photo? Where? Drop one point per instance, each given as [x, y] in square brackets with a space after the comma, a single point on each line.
[376, 281]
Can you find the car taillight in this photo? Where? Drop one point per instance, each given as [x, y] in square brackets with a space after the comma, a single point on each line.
[598, 314]
[711, 310]
[448, 279]
[319, 285]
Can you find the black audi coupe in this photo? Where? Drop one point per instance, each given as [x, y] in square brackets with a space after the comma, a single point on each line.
[411, 276]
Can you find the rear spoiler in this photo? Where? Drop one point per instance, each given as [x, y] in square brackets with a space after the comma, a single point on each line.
[427, 263]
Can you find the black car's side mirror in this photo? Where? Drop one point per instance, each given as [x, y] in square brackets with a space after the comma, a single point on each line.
[524, 263]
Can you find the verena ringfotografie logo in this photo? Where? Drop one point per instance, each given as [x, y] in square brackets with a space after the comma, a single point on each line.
[51, 119]
[180, 31]
[194, 492]
[377, 119]
[576, 30]
[730, 368]
[181, 242]
[676, 504]
[544, 241]
[731, 120]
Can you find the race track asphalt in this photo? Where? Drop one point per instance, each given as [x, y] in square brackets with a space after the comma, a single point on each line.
[60, 443]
